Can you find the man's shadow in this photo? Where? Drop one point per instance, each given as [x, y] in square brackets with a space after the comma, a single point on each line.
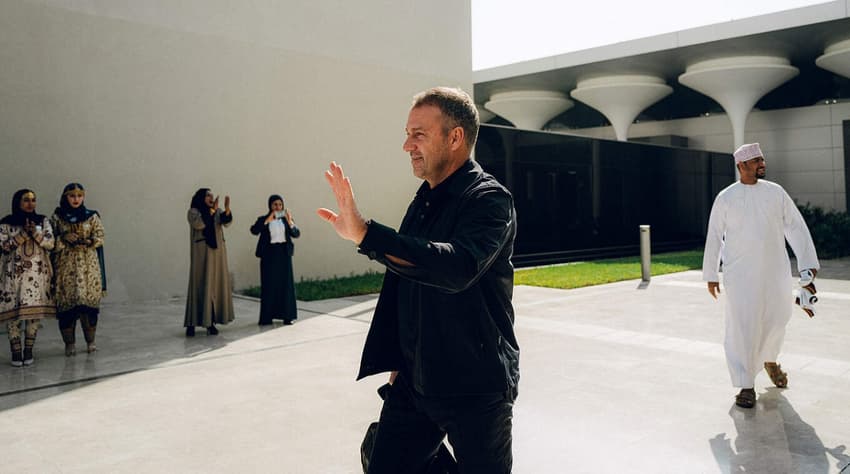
[773, 438]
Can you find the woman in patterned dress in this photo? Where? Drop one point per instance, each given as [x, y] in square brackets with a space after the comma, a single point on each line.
[25, 274]
[79, 275]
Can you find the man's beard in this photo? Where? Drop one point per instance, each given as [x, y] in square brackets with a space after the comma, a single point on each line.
[760, 174]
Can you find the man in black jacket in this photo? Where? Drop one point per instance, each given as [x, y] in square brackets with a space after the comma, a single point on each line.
[443, 325]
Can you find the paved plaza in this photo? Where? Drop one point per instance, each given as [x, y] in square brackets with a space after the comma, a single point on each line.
[618, 378]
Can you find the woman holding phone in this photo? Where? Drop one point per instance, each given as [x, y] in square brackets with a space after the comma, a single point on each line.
[209, 299]
[26, 295]
[275, 249]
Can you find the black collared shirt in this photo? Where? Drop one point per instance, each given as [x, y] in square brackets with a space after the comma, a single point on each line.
[447, 321]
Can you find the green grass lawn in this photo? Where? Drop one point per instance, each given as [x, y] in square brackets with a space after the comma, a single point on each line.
[568, 275]
[580, 274]
[337, 287]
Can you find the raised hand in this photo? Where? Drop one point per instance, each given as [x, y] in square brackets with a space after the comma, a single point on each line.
[348, 224]
[226, 204]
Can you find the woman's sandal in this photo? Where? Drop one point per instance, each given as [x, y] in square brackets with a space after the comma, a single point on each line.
[777, 376]
[746, 398]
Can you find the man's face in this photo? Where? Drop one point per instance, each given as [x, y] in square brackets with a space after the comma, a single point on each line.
[427, 144]
[754, 167]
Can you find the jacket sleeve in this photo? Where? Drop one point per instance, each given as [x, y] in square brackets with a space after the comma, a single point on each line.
[294, 231]
[258, 226]
[485, 225]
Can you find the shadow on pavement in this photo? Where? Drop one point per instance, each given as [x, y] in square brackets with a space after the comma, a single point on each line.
[130, 338]
[773, 438]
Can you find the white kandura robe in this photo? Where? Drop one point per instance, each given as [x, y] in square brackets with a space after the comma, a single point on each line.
[748, 227]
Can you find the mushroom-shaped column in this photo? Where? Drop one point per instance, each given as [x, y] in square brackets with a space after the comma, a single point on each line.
[836, 58]
[484, 115]
[737, 83]
[529, 109]
[621, 98]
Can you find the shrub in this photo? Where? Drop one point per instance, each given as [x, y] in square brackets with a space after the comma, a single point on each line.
[830, 231]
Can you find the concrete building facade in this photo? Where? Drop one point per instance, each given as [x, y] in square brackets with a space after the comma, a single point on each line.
[144, 102]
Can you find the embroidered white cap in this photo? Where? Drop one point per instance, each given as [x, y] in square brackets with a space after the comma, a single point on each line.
[747, 152]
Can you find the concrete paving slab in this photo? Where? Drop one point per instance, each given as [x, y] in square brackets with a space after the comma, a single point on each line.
[615, 378]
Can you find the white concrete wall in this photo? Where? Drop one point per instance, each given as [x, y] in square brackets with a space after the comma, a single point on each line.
[804, 146]
[145, 101]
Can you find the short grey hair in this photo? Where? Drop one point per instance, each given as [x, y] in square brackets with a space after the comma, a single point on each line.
[456, 106]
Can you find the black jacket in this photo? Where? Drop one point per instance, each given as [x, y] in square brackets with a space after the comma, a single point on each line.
[262, 229]
[461, 291]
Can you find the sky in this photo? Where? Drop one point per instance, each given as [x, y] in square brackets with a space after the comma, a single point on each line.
[509, 31]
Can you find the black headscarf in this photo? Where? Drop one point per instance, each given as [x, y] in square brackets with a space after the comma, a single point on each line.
[68, 213]
[273, 198]
[199, 202]
[18, 217]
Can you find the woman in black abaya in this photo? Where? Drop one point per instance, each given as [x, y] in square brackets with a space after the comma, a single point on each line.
[275, 249]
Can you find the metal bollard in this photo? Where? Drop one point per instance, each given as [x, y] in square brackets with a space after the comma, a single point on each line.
[645, 261]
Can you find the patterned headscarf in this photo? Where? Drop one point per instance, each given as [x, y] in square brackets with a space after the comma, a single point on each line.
[68, 213]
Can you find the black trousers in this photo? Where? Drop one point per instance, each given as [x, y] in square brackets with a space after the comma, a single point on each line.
[412, 427]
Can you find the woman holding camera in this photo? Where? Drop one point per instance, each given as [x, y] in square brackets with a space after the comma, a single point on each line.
[275, 249]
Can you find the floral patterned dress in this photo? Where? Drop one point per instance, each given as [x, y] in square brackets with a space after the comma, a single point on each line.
[25, 281]
[78, 277]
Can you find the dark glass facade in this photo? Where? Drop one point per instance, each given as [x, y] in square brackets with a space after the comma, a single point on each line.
[579, 198]
[846, 126]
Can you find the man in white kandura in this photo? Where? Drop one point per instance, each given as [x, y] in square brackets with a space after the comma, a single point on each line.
[750, 221]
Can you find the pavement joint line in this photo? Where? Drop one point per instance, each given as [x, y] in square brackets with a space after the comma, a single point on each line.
[701, 285]
[79, 381]
[355, 309]
[351, 317]
[169, 365]
[816, 365]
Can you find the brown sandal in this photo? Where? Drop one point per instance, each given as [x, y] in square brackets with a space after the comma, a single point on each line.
[777, 376]
[746, 398]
